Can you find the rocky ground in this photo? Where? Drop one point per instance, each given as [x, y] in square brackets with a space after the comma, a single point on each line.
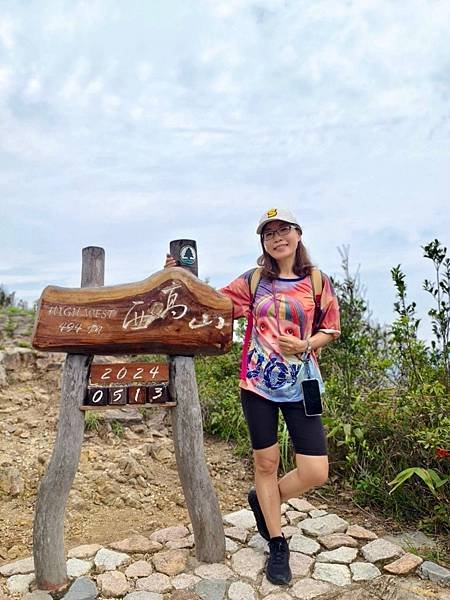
[127, 483]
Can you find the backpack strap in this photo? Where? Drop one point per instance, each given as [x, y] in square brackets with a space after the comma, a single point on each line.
[254, 280]
[317, 286]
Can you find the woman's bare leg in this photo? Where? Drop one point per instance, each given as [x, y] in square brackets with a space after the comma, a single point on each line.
[311, 471]
[266, 483]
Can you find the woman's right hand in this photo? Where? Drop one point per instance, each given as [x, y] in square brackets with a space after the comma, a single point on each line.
[170, 261]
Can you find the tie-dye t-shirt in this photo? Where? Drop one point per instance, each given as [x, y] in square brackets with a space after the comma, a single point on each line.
[268, 372]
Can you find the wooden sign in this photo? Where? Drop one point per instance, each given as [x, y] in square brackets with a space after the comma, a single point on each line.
[119, 384]
[171, 312]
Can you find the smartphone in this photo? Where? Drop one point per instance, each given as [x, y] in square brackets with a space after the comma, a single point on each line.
[312, 400]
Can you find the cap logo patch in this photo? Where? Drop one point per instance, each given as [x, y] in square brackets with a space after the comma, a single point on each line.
[272, 212]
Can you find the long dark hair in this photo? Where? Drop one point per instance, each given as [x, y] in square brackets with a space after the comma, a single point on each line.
[302, 262]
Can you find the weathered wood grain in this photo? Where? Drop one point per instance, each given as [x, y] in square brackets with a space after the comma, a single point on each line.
[171, 312]
[48, 528]
[187, 431]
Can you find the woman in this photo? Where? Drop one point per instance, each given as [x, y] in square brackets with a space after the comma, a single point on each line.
[281, 307]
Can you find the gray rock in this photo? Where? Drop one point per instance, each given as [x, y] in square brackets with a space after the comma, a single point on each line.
[214, 571]
[336, 540]
[158, 582]
[238, 534]
[307, 589]
[317, 513]
[248, 563]
[211, 589]
[184, 581]
[301, 543]
[241, 518]
[362, 571]
[18, 567]
[412, 539]
[301, 504]
[37, 595]
[84, 551]
[19, 584]
[433, 572]
[380, 550]
[113, 584]
[300, 564]
[143, 596]
[230, 546]
[343, 555]
[82, 589]
[109, 559]
[323, 525]
[241, 591]
[77, 567]
[258, 543]
[335, 574]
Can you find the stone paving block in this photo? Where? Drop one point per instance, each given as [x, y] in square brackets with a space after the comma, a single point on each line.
[323, 525]
[136, 544]
[158, 582]
[403, 565]
[361, 533]
[110, 559]
[434, 572]
[308, 588]
[335, 574]
[301, 504]
[84, 551]
[185, 581]
[239, 590]
[231, 546]
[294, 517]
[238, 534]
[363, 571]
[140, 568]
[211, 589]
[289, 530]
[170, 562]
[18, 567]
[343, 555]
[82, 589]
[241, 518]
[248, 563]
[258, 543]
[77, 567]
[214, 571]
[380, 550]
[113, 584]
[316, 512]
[335, 540]
[169, 533]
[412, 539]
[300, 564]
[37, 595]
[301, 543]
[143, 596]
[19, 584]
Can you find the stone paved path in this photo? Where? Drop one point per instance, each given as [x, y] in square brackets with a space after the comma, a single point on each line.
[330, 559]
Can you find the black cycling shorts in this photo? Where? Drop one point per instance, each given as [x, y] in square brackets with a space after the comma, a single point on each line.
[307, 433]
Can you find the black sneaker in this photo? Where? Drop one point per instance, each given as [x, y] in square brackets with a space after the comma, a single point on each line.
[278, 570]
[259, 516]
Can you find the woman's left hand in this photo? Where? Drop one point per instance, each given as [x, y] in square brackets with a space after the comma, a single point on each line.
[289, 344]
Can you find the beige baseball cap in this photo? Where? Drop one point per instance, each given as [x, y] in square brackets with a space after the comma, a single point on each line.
[276, 214]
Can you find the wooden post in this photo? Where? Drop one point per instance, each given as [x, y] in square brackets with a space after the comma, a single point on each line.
[48, 529]
[187, 430]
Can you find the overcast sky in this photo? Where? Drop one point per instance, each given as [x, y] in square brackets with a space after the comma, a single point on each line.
[128, 124]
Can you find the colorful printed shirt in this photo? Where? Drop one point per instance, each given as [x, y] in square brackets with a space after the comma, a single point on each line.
[280, 307]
